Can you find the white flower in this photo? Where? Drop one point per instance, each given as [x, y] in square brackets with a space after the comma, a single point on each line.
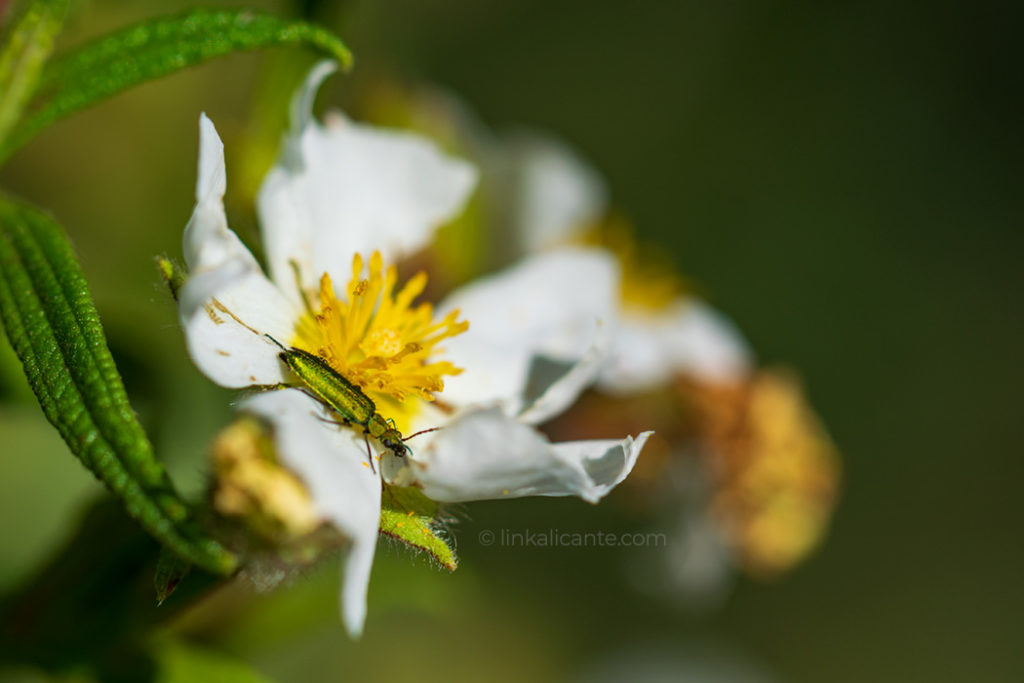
[687, 336]
[653, 340]
[558, 193]
[536, 338]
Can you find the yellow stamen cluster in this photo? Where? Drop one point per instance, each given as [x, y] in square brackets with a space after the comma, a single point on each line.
[649, 281]
[376, 338]
[252, 486]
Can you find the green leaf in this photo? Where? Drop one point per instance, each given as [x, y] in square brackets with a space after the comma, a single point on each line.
[25, 50]
[54, 328]
[409, 516]
[157, 48]
[170, 570]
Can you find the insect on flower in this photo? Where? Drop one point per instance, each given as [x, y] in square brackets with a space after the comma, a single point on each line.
[344, 398]
[369, 352]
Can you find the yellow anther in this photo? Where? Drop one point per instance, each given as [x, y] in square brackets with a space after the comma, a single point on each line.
[378, 339]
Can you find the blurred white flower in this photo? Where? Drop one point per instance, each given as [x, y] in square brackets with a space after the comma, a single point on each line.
[745, 472]
[659, 334]
[537, 336]
[558, 194]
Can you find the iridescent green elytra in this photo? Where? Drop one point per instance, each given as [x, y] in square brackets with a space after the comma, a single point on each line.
[342, 396]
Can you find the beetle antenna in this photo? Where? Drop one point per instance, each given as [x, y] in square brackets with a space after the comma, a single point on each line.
[279, 344]
[423, 431]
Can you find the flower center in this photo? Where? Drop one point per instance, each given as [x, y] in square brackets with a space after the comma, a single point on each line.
[377, 339]
[649, 282]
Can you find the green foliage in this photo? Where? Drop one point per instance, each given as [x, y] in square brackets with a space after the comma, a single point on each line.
[157, 48]
[25, 50]
[172, 273]
[179, 662]
[91, 608]
[409, 516]
[54, 328]
[33, 480]
[170, 570]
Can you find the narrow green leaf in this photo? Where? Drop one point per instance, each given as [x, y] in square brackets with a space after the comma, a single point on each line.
[409, 516]
[157, 48]
[25, 50]
[170, 570]
[54, 328]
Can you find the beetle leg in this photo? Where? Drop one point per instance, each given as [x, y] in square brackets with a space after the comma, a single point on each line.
[369, 455]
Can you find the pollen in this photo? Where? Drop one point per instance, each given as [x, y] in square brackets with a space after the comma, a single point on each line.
[649, 281]
[376, 337]
[779, 470]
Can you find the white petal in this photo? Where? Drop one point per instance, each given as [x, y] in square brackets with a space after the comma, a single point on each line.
[707, 344]
[607, 461]
[552, 387]
[285, 214]
[301, 110]
[345, 188]
[208, 242]
[331, 461]
[689, 338]
[559, 195]
[225, 314]
[211, 180]
[227, 304]
[546, 310]
[485, 454]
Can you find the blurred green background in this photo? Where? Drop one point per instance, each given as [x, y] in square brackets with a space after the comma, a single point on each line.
[843, 180]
